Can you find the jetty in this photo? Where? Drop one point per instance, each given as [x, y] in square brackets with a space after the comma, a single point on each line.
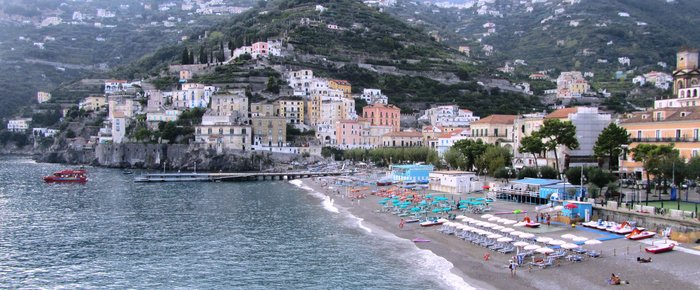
[237, 176]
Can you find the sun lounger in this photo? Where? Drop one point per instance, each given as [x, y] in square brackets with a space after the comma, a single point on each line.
[593, 254]
[507, 250]
[579, 250]
[574, 258]
[544, 264]
[496, 247]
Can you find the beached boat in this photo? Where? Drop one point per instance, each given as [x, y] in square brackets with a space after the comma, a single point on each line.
[419, 240]
[638, 234]
[591, 224]
[384, 182]
[662, 248]
[67, 176]
[408, 221]
[431, 223]
[529, 223]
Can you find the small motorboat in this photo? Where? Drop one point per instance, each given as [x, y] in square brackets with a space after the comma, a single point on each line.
[419, 240]
[67, 176]
[408, 221]
[638, 234]
[662, 248]
[591, 224]
[431, 223]
[127, 172]
[384, 182]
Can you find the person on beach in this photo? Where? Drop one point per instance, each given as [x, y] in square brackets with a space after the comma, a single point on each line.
[401, 223]
[512, 266]
[548, 219]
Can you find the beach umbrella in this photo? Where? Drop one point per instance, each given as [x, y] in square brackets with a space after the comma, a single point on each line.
[463, 206]
[446, 209]
[556, 242]
[515, 233]
[569, 246]
[493, 218]
[543, 239]
[507, 230]
[498, 228]
[415, 209]
[484, 233]
[580, 239]
[509, 222]
[494, 236]
[403, 206]
[520, 244]
[434, 202]
[544, 250]
[571, 206]
[382, 202]
[527, 235]
[459, 217]
[504, 240]
[592, 242]
[423, 202]
[436, 210]
[486, 216]
[568, 236]
[531, 247]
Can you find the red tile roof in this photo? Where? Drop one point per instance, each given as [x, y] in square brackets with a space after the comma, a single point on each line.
[496, 119]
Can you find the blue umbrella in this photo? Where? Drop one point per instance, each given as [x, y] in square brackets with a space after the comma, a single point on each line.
[415, 209]
[428, 196]
[403, 206]
[437, 210]
[463, 206]
[382, 202]
[447, 209]
[423, 202]
[435, 202]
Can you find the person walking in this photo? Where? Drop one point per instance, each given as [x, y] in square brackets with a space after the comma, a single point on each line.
[401, 223]
[513, 267]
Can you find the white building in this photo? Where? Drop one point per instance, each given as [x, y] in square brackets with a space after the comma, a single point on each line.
[454, 182]
[192, 95]
[44, 132]
[374, 96]
[18, 125]
[43, 97]
[119, 123]
[446, 140]
[448, 116]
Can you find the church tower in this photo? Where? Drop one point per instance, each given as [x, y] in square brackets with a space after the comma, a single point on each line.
[686, 73]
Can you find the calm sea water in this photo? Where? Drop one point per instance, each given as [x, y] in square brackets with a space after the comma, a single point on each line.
[114, 233]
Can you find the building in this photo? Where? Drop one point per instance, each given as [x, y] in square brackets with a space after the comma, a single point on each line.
[464, 49]
[342, 85]
[43, 97]
[589, 124]
[352, 134]
[454, 182]
[686, 74]
[448, 116]
[292, 110]
[259, 49]
[120, 121]
[19, 125]
[119, 86]
[383, 115]
[223, 135]
[162, 116]
[374, 96]
[192, 95]
[680, 126]
[494, 129]
[44, 132]
[572, 85]
[413, 172]
[300, 80]
[269, 131]
[185, 75]
[122, 104]
[523, 126]
[447, 139]
[402, 139]
[95, 103]
[430, 136]
[263, 109]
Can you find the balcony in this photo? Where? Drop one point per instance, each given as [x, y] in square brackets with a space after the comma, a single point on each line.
[667, 139]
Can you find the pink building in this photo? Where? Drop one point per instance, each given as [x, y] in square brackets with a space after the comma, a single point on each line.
[260, 49]
[352, 134]
[383, 115]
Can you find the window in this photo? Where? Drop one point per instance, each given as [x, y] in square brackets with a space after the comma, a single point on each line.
[658, 134]
[659, 116]
[639, 134]
[695, 134]
[678, 133]
[695, 153]
[495, 132]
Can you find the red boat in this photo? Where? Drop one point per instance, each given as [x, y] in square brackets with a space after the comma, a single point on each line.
[68, 175]
[660, 248]
[638, 234]
[529, 223]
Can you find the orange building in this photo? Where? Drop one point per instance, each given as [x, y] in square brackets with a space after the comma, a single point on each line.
[342, 85]
[383, 115]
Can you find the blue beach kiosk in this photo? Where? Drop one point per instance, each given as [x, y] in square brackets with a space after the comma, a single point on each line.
[411, 173]
[576, 209]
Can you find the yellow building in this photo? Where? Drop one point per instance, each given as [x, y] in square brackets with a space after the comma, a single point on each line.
[312, 110]
[292, 110]
[342, 85]
[680, 126]
[494, 129]
[93, 103]
[269, 131]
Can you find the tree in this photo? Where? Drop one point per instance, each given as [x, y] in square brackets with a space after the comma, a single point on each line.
[651, 155]
[505, 173]
[185, 56]
[471, 150]
[493, 159]
[532, 144]
[454, 158]
[693, 168]
[554, 133]
[541, 172]
[609, 144]
[573, 175]
[273, 85]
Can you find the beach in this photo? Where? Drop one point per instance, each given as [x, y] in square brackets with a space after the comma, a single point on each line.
[674, 270]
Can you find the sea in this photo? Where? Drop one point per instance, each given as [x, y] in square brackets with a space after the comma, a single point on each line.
[114, 233]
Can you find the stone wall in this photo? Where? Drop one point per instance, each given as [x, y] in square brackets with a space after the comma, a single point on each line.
[683, 230]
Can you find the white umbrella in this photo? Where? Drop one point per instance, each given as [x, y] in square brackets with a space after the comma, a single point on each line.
[519, 224]
[568, 236]
[544, 250]
[580, 239]
[509, 222]
[592, 242]
[556, 242]
[486, 216]
[443, 220]
[558, 208]
[520, 244]
[484, 233]
[527, 235]
[569, 246]
[494, 236]
[531, 247]
[493, 219]
[507, 230]
[543, 239]
[515, 233]
[459, 217]
[504, 240]
[498, 228]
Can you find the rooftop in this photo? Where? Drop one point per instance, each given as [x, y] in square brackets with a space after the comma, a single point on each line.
[496, 119]
[561, 113]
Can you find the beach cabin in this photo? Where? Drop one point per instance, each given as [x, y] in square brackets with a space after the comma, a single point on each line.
[561, 191]
[528, 190]
[410, 173]
[454, 182]
[577, 209]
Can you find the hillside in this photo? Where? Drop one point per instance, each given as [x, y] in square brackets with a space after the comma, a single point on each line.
[588, 35]
[367, 47]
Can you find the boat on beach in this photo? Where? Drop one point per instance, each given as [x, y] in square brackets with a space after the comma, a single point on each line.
[408, 221]
[67, 176]
[638, 234]
[419, 240]
[662, 248]
[529, 223]
[431, 223]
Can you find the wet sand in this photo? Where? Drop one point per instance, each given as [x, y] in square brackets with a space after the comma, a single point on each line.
[673, 270]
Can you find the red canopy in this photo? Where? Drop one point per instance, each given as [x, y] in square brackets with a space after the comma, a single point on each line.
[571, 206]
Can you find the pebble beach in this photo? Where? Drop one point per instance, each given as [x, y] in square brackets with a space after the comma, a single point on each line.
[674, 270]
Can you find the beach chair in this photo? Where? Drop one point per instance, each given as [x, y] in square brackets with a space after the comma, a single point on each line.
[496, 247]
[593, 254]
[579, 250]
[506, 250]
[574, 258]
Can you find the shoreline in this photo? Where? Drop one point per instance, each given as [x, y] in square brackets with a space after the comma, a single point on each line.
[468, 263]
